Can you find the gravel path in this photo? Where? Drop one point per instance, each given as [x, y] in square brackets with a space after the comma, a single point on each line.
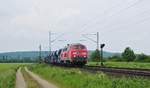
[42, 82]
[20, 82]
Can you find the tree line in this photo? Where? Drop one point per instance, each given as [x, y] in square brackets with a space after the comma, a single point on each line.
[5, 59]
[127, 55]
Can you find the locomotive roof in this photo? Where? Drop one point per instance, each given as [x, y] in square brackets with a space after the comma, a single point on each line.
[72, 44]
[76, 44]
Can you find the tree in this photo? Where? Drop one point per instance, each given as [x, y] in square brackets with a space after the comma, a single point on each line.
[142, 58]
[95, 56]
[128, 54]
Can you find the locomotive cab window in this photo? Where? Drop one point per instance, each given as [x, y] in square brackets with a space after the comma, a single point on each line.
[79, 47]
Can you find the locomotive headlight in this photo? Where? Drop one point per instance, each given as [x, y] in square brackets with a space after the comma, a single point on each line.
[84, 53]
[74, 56]
[84, 56]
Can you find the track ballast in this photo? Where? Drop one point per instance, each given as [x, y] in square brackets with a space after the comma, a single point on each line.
[116, 70]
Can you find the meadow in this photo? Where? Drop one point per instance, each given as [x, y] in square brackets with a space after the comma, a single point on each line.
[74, 78]
[8, 75]
[124, 64]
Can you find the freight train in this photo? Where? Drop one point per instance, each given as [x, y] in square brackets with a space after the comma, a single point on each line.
[73, 54]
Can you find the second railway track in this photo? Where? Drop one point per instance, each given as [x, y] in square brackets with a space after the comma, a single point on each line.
[116, 70]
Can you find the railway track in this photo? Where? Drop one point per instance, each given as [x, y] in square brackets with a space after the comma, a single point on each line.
[116, 70]
[111, 70]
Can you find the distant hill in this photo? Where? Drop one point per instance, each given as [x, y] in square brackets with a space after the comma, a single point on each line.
[106, 54]
[30, 54]
[35, 54]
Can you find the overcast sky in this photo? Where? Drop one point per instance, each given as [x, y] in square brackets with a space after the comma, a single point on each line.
[24, 24]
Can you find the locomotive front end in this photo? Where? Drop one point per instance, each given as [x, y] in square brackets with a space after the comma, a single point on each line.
[79, 54]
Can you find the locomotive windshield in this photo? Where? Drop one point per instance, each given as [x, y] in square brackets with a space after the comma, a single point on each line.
[79, 47]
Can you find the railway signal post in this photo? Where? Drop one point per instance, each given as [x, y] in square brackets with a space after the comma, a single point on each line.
[102, 46]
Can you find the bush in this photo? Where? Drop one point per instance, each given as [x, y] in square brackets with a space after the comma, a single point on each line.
[95, 56]
[115, 58]
[142, 58]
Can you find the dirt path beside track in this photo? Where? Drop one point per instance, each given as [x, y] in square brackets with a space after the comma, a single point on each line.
[20, 82]
[42, 82]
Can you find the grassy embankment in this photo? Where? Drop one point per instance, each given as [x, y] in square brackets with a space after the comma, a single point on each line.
[8, 75]
[74, 78]
[124, 64]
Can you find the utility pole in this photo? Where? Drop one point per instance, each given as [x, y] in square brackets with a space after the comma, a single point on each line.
[52, 41]
[97, 40]
[40, 54]
[50, 45]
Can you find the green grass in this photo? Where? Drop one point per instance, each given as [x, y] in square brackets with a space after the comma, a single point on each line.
[124, 64]
[7, 75]
[74, 78]
[7, 79]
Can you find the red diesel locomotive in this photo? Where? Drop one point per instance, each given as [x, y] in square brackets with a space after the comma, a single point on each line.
[75, 54]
